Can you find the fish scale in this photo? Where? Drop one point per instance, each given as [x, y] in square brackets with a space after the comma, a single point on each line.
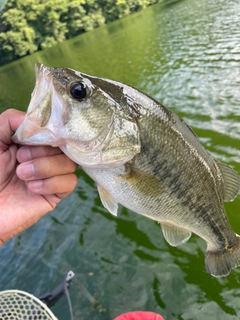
[140, 154]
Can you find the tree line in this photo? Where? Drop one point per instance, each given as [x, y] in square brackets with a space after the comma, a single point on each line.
[27, 26]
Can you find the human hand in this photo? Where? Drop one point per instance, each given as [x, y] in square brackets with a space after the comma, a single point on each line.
[32, 179]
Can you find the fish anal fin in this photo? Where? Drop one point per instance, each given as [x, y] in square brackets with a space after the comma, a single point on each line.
[174, 235]
[231, 180]
[220, 262]
[107, 200]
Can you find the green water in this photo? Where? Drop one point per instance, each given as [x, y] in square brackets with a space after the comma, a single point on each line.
[186, 54]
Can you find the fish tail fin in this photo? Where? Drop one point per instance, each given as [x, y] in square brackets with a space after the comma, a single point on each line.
[220, 263]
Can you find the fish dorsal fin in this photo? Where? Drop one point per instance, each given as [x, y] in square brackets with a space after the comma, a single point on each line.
[108, 202]
[174, 235]
[231, 180]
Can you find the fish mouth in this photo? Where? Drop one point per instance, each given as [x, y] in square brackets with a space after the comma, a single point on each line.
[39, 125]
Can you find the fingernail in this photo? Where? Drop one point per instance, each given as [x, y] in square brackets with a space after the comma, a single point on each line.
[36, 185]
[25, 171]
[25, 153]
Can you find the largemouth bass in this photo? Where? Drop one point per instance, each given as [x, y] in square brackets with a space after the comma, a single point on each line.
[140, 154]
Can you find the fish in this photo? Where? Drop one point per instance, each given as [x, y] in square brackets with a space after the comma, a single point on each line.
[140, 154]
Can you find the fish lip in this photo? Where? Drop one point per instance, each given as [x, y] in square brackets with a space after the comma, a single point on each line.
[33, 135]
[41, 69]
[42, 73]
[38, 142]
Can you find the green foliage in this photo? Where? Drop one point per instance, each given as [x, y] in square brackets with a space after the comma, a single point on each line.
[30, 25]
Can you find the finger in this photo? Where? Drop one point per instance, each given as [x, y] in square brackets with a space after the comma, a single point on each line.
[46, 167]
[60, 185]
[27, 153]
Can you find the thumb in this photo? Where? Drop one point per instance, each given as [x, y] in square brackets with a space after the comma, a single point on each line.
[10, 120]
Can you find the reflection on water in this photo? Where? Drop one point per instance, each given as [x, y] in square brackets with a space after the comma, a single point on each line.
[186, 55]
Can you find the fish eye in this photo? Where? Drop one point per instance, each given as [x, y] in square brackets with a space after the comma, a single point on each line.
[78, 90]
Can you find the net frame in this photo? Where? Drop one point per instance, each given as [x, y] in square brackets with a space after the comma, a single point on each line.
[21, 305]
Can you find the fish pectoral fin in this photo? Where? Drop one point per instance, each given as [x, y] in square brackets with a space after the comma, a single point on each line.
[231, 178]
[144, 183]
[107, 200]
[174, 235]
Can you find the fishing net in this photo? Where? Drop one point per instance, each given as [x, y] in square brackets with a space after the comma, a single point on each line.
[20, 305]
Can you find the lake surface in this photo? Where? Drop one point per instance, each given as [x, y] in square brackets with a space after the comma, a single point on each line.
[186, 54]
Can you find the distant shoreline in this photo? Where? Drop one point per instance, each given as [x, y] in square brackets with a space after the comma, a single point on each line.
[30, 26]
